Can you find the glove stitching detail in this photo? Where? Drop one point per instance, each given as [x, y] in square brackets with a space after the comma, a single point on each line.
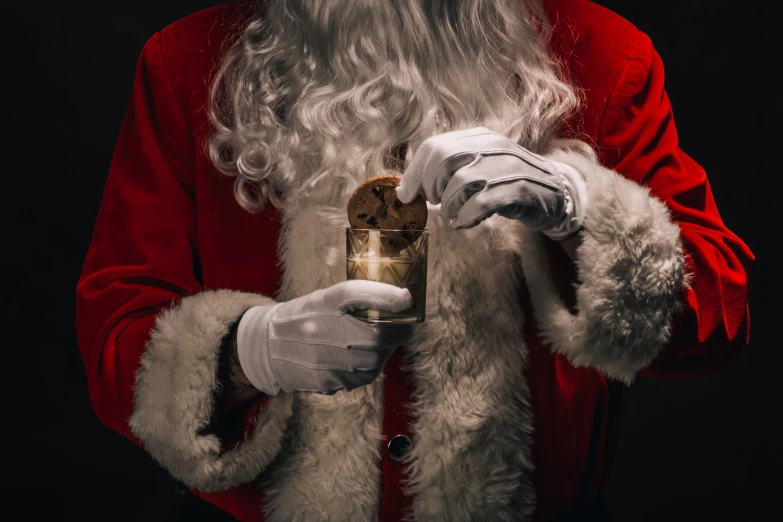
[490, 133]
[275, 385]
[311, 366]
[305, 341]
[520, 177]
[305, 316]
[496, 152]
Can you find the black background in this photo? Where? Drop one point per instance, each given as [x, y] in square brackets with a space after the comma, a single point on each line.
[694, 449]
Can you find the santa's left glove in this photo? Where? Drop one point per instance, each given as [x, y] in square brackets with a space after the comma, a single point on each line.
[475, 173]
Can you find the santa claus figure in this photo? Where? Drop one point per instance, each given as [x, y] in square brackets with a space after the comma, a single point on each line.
[572, 246]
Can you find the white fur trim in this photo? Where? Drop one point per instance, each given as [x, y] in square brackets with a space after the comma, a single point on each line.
[174, 395]
[630, 263]
[471, 457]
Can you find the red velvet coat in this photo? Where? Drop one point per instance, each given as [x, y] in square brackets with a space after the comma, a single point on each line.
[169, 227]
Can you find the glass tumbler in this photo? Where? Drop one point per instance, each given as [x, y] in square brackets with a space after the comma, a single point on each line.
[396, 257]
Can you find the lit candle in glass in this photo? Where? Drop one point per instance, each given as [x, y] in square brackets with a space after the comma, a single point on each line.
[373, 264]
[376, 255]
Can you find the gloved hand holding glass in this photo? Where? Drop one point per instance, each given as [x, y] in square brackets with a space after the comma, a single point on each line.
[314, 344]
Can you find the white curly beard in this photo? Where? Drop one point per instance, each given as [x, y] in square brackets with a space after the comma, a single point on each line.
[383, 73]
[356, 78]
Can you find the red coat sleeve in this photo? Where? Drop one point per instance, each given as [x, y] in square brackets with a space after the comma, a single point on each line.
[143, 252]
[638, 139]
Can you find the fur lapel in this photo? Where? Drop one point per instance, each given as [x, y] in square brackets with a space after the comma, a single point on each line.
[471, 455]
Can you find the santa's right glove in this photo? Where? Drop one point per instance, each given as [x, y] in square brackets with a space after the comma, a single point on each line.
[312, 344]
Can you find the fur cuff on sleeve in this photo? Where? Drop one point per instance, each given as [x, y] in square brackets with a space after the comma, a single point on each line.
[630, 263]
[174, 394]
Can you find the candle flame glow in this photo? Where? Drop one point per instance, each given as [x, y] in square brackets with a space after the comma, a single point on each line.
[373, 264]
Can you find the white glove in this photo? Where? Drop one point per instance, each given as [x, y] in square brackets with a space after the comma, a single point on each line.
[475, 173]
[312, 344]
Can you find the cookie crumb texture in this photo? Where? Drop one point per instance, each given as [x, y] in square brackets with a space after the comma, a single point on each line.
[374, 205]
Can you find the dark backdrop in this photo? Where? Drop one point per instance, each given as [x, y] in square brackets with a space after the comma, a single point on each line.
[688, 449]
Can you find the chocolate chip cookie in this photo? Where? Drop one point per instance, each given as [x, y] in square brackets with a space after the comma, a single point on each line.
[374, 205]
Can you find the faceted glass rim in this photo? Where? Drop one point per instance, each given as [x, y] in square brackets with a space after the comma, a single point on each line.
[419, 230]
